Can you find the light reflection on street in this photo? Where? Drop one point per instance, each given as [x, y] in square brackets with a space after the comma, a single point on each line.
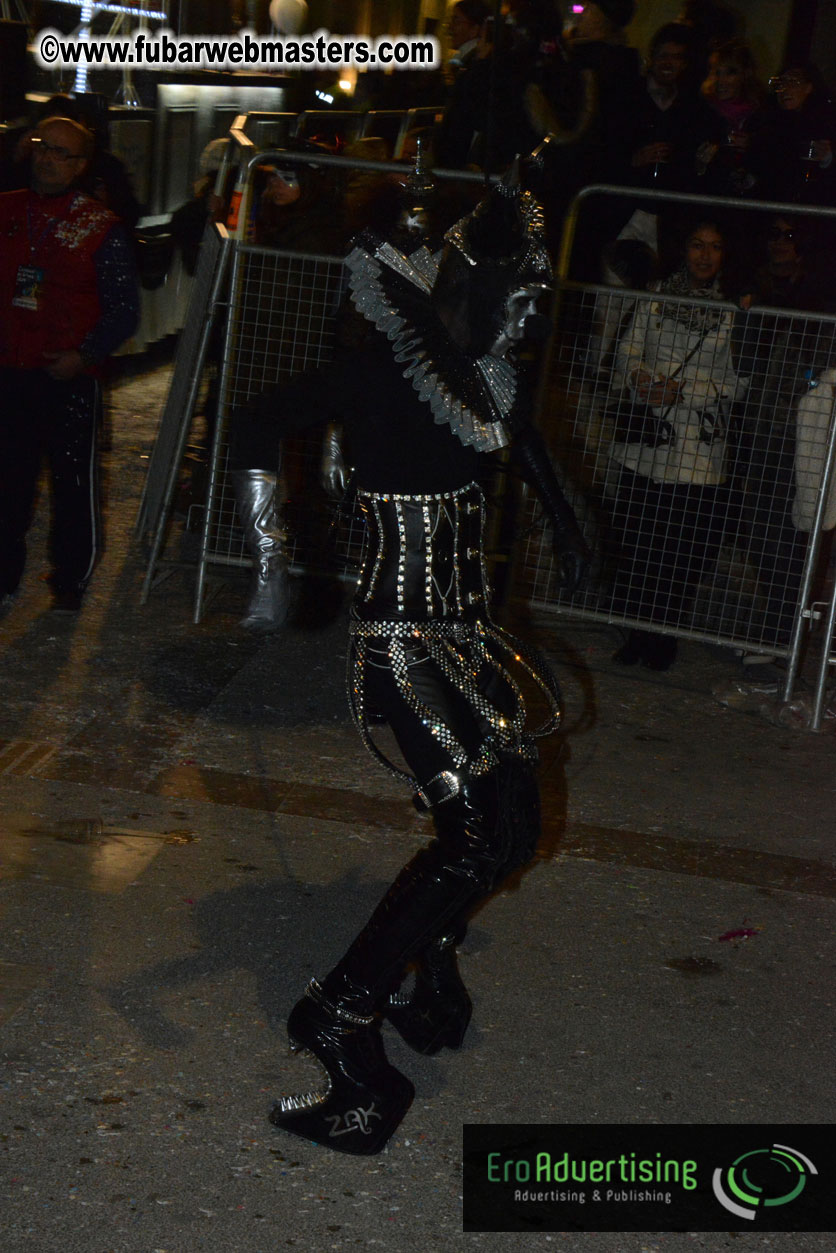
[76, 854]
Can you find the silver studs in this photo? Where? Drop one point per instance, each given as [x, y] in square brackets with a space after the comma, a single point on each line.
[462, 650]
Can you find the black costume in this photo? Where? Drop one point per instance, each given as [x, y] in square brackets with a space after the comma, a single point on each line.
[421, 405]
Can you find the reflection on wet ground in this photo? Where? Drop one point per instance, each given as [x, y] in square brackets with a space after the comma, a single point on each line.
[75, 854]
[84, 854]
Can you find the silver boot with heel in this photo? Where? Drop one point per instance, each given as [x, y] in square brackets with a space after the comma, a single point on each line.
[257, 499]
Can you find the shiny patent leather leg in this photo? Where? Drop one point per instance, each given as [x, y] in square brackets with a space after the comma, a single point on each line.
[437, 1012]
[488, 829]
[485, 826]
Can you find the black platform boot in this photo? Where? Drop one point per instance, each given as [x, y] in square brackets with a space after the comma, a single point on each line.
[436, 1013]
[482, 833]
[363, 1098]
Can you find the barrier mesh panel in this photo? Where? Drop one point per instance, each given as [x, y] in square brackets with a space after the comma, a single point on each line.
[281, 322]
[188, 362]
[693, 446]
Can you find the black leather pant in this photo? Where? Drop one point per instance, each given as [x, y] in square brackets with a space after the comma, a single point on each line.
[485, 831]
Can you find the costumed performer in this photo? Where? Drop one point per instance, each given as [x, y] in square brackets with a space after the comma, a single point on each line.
[433, 390]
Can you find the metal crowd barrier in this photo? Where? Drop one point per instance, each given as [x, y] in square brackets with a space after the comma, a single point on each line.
[274, 318]
[752, 586]
[280, 322]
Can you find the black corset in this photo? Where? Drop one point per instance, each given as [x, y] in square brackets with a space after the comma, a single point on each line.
[423, 556]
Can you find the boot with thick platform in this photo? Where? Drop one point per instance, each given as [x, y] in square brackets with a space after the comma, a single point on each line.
[256, 497]
[363, 1098]
[435, 1014]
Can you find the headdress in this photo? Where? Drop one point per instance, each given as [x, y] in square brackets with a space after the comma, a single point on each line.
[443, 312]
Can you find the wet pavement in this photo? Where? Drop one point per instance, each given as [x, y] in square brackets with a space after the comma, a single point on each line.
[190, 830]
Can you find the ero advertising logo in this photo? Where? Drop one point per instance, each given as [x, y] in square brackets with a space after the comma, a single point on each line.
[649, 1177]
[762, 1177]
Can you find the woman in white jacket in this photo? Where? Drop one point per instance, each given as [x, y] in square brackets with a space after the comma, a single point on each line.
[671, 502]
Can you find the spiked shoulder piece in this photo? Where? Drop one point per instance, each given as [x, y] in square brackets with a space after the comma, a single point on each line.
[392, 290]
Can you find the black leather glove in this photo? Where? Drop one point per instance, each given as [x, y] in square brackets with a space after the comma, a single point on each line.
[571, 549]
[573, 558]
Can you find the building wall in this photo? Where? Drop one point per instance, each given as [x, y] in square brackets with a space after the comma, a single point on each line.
[823, 53]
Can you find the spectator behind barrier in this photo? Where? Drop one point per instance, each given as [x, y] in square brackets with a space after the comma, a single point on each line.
[671, 118]
[737, 96]
[795, 271]
[296, 205]
[598, 52]
[486, 121]
[783, 354]
[465, 28]
[792, 153]
[712, 24]
[597, 43]
[671, 502]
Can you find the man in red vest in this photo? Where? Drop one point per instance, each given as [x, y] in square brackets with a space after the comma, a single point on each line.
[68, 299]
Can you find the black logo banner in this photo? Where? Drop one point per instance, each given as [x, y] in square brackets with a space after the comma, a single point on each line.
[618, 1177]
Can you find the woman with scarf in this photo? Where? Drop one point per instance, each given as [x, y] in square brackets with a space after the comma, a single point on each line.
[671, 499]
[737, 98]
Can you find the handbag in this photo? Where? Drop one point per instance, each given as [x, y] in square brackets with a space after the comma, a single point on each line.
[635, 422]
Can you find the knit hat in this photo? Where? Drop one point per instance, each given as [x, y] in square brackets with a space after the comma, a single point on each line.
[619, 12]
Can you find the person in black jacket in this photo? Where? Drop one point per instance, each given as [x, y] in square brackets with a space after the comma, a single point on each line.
[597, 49]
[793, 152]
[670, 118]
[597, 43]
[431, 391]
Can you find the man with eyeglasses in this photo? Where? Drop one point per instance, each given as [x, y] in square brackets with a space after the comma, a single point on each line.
[68, 299]
[792, 153]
